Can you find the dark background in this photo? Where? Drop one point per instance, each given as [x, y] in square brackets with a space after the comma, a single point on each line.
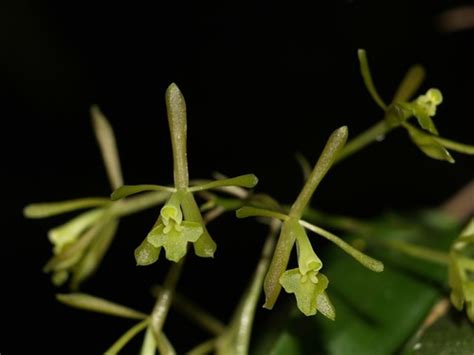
[262, 82]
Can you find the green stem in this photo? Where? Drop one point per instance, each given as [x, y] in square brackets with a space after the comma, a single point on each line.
[380, 129]
[125, 338]
[176, 107]
[332, 149]
[163, 302]
[203, 348]
[237, 340]
[417, 251]
[195, 313]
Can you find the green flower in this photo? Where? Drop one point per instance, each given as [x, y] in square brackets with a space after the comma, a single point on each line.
[171, 233]
[308, 288]
[80, 244]
[180, 221]
[423, 108]
[305, 282]
[461, 271]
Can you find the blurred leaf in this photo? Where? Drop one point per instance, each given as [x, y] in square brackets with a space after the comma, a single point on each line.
[376, 313]
[447, 336]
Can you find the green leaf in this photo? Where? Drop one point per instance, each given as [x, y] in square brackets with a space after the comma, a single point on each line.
[447, 335]
[127, 190]
[99, 305]
[369, 83]
[376, 313]
[48, 209]
[108, 147]
[248, 180]
[430, 146]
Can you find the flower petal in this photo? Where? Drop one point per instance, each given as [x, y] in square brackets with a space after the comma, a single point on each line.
[146, 253]
[205, 246]
[305, 289]
[70, 231]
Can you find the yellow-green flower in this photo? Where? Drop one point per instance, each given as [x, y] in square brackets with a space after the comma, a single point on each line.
[461, 271]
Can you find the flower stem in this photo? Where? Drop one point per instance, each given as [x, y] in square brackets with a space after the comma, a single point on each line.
[418, 251]
[195, 313]
[125, 338]
[380, 129]
[176, 107]
[163, 302]
[237, 339]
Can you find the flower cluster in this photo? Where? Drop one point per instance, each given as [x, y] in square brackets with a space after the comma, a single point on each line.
[306, 281]
[461, 271]
[423, 108]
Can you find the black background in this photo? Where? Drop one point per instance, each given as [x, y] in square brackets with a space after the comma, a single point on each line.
[262, 82]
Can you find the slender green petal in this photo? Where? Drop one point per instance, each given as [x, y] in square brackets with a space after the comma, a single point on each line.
[334, 145]
[126, 337]
[369, 83]
[149, 344]
[248, 211]
[48, 209]
[176, 108]
[365, 260]
[127, 190]
[307, 289]
[94, 254]
[248, 180]
[278, 264]
[307, 258]
[205, 246]
[108, 147]
[324, 305]
[457, 147]
[139, 203]
[429, 145]
[146, 253]
[304, 165]
[99, 305]
[70, 231]
[410, 83]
